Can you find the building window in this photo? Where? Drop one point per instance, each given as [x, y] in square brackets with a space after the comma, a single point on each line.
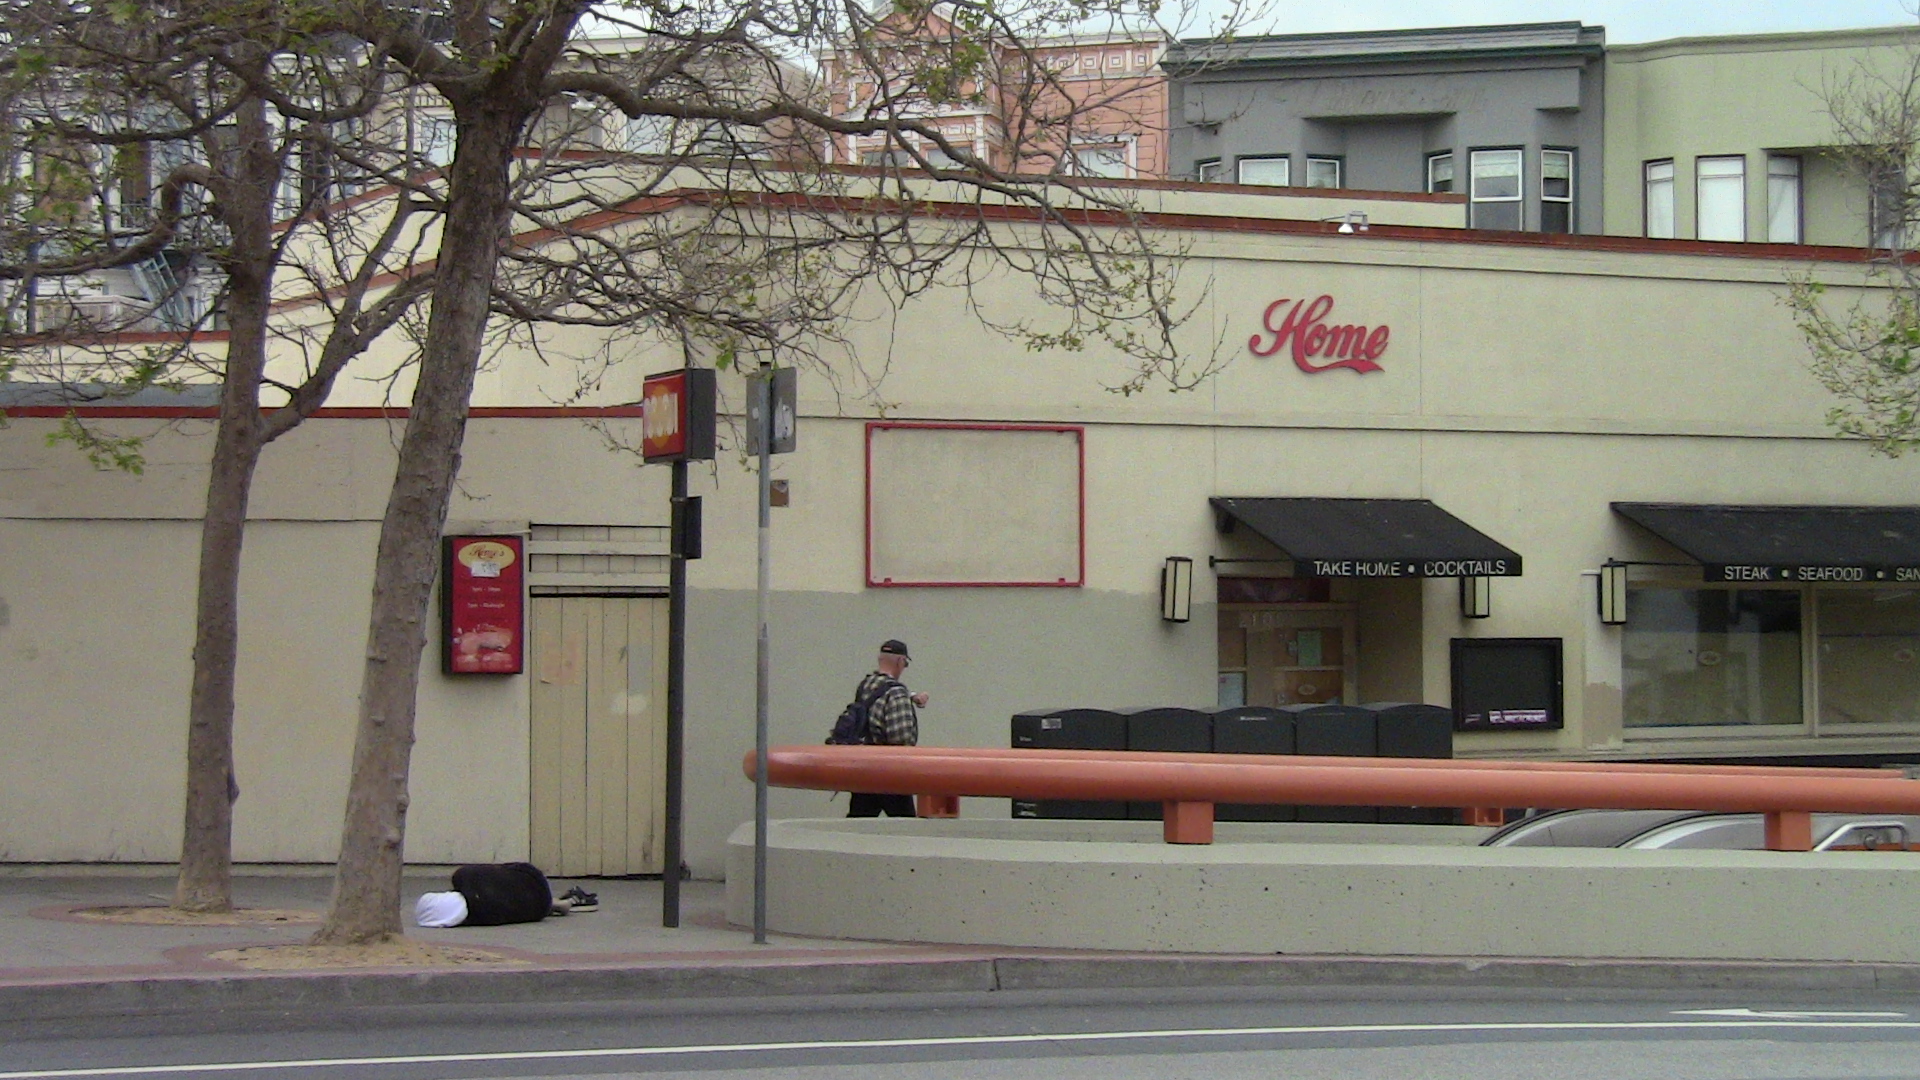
[1101, 161]
[1888, 204]
[1208, 171]
[1720, 198]
[1726, 657]
[434, 140]
[1323, 172]
[1440, 173]
[1495, 189]
[1712, 658]
[1783, 200]
[1266, 171]
[1869, 656]
[1556, 191]
[1659, 178]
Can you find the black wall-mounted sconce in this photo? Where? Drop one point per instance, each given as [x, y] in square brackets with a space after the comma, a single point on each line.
[1613, 593]
[1176, 589]
[1476, 597]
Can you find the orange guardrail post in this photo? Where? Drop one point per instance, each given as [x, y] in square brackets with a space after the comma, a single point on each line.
[1494, 816]
[1789, 830]
[942, 806]
[1187, 822]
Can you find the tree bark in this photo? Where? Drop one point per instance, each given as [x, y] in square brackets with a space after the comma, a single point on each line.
[206, 849]
[366, 889]
[244, 198]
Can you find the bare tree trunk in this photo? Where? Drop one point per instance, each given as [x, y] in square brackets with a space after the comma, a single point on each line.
[366, 885]
[206, 848]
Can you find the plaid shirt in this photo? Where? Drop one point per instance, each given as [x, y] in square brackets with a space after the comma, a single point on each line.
[891, 720]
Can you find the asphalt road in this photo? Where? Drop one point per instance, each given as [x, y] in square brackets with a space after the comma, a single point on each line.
[1302, 1034]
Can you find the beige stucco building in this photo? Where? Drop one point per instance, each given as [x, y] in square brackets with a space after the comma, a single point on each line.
[1729, 138]
[1010, 518]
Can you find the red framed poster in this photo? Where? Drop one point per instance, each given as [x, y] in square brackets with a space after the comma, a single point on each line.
[483, 624]
[975, 505]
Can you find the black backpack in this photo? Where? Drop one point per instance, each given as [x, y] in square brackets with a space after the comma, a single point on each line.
[854, 726]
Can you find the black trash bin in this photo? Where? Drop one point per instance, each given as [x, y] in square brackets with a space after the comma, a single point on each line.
[1333, 731]
[1414, 731]
[1069, 729]
[1252, 729]
[1169, 729]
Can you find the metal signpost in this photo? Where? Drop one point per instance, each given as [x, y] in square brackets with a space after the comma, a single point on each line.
[677, 426]
[771, 412]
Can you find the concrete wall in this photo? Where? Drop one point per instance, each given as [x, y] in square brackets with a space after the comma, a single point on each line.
[1279, 889]
[1742, 95]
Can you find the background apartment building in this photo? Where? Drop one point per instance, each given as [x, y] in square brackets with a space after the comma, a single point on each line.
[1732, 139]
[1509, 116]
[1093, 104]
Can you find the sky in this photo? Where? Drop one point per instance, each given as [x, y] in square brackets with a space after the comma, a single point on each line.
[1625, 20]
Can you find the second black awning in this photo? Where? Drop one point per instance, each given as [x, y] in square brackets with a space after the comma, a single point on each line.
[1788, 543]
[1371, 538]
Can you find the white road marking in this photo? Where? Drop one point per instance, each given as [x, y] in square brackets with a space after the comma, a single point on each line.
[957, 1040]
[1774, 1014]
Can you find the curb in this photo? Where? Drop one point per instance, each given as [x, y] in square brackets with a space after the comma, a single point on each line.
[199, 993]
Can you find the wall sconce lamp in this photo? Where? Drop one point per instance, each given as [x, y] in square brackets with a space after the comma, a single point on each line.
[1176, 589]
[1613, 593]
[1476, 597]
[1351, 222]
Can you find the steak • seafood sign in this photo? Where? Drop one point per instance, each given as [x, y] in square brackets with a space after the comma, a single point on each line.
[1301, 324]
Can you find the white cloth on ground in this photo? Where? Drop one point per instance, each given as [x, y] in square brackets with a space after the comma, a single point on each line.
[440, 909]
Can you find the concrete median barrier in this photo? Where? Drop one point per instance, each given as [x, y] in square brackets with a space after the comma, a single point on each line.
[1335, 890]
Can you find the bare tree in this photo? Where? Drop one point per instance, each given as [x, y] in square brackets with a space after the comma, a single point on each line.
[1865, 347]
[723, 228]
[194, 148]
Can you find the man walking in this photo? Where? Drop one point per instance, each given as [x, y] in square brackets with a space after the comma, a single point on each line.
[892, 720]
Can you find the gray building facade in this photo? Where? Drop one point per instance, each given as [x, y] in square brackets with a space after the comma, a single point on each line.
[1509, 116]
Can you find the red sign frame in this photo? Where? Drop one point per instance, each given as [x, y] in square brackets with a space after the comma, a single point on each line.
[483, 605]
[1078, 581]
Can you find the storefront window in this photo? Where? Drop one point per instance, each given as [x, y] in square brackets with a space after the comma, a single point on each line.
[1282, 642]
[1712, 657]
[1233, 664]
[1869, 656]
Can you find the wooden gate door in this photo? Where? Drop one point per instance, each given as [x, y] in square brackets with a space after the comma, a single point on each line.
[599, 734]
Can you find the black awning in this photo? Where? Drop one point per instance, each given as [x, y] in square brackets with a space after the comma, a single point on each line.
[1789, 543]
[1399, 538]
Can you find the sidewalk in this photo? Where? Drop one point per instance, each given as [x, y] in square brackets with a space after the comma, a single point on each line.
[56, 964]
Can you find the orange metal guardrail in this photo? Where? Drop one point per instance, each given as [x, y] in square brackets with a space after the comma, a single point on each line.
[1190, 784]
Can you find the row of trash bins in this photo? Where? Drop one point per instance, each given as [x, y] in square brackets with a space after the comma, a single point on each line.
[1390, 729]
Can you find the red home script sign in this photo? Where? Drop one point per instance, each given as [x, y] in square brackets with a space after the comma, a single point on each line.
[1302, 325]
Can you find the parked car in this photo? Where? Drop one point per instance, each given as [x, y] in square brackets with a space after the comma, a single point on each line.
[1698, 830]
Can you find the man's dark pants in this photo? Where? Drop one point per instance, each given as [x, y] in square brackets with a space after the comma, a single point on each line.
[863, 804]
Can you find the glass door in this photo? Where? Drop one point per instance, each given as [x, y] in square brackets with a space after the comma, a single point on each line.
[1286, 655]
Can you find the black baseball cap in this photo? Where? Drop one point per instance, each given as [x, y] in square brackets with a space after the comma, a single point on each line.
[895, 647]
